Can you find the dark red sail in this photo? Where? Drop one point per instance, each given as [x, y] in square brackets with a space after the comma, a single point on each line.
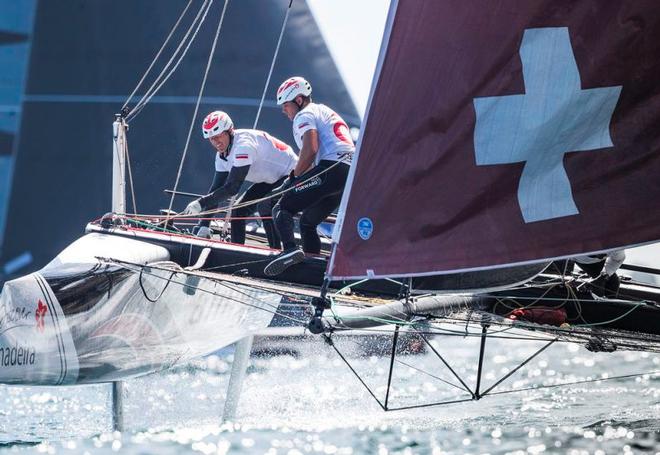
[505, 132]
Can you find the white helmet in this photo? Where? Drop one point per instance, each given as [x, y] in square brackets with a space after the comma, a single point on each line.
[291, 88]
[216, 123]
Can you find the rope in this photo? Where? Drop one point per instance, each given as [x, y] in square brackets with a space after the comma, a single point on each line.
[256, 201]
[272, 64]
[169, 280]
[199, 99]
[144, 291]
[160, 51]
[197, 22]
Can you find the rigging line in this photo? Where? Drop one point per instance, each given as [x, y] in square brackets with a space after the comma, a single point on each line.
[373, 395]
[518, 368]
[215, 294]
[197, 23]
[496, 335]
[512, 304]
[349, 286]
[473, 335]
[403, 320]
[578, 331]
[232, 200]
[577, 301]
[199, 98]
[572, 336]
[244, 204]
[256, 201]
[238, 291]
[427, 373]
[144, 291]
[359, 378]
[432, 375]
[585, 381]
[429, 405]
[222, 283]
[153, 62]
[502, 300]
[256, 285]
[402, 408]
[272, 64]
[237, 264]
[594, 324]
[162, 77]
[560, 299]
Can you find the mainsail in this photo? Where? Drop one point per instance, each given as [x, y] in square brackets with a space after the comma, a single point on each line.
[503, 133]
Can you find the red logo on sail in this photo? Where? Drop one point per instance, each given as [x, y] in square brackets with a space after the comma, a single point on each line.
[40, 315]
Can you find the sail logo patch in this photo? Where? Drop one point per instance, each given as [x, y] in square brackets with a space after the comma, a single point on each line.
[40, 314]
[365, 228]
[553, 117]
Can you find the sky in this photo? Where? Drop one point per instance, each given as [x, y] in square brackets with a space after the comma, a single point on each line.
[353, 30]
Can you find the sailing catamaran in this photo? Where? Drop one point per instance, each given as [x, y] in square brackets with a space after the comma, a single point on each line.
[494, 145]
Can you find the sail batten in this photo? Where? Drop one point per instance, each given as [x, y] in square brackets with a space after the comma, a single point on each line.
[499, 135]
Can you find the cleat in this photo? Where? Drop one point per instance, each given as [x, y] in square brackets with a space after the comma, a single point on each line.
[283, 261]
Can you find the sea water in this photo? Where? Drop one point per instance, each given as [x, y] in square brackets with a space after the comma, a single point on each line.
[309, 401]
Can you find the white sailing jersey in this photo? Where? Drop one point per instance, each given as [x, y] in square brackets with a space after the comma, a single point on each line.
[334, 137]
[269, 158]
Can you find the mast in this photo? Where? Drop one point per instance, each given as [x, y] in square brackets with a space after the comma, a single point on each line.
[119, 128]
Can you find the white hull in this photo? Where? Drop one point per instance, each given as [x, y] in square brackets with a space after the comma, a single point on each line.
[80, 320]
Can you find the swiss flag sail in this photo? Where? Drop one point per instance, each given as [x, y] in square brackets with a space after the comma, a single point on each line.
[505, 132]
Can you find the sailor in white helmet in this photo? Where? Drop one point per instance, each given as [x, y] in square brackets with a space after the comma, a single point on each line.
[319, 177]
[242, 155]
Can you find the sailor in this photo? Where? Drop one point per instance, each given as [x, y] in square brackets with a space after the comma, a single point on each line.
[319, 177]
[242, 155]
[602, 269]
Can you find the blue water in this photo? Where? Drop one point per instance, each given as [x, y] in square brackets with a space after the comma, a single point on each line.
[311, 403]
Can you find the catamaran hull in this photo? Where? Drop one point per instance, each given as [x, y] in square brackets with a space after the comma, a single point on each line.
[250, 261]
[82, 320]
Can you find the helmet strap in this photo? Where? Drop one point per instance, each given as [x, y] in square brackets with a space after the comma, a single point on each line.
[231, 142]
[300, 105]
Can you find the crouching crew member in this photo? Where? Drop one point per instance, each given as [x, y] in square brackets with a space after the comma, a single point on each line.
[243, 155]
[318, 178]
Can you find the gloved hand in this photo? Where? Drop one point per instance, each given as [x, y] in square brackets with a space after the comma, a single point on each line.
[605, 285]
[194, 208]
[204, 232]
[288, 183]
